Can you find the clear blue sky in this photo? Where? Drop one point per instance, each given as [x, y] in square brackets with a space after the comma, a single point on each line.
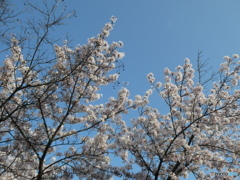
[159, 33]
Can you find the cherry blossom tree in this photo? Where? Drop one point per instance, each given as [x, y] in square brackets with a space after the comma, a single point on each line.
[199, 134]
[50, 127]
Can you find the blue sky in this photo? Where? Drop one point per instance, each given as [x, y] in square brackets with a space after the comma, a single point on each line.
[160, 33]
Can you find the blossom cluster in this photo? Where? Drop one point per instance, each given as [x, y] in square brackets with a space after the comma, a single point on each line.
[200, 130]
[50, 126]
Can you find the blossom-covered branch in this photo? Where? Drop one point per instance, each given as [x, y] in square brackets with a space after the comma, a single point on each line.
[200, 132]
